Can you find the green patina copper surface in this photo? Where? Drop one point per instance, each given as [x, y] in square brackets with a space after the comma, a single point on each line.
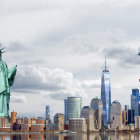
[96, 98]
[6, 80]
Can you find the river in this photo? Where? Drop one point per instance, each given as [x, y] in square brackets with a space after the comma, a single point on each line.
[78, 136]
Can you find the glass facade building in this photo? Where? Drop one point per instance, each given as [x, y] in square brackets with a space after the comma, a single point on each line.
[74, 106]
[66, 110]
[47, 113]
[135, 101]
[106, 95]
[130, 116]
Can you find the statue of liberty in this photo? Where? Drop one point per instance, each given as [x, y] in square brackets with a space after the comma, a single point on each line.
[6, 80]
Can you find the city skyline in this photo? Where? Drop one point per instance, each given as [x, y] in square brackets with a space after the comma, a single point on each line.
[60, 47]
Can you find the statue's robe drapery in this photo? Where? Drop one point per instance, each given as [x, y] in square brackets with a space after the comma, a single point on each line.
[6, 80]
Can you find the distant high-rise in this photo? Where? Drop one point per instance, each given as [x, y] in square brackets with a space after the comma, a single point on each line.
[106, 95]
[130, 116]
[135, 101]
[66, 111]
[116, 115]
[74, 106]
[47, 113]
[97, 106]
[126, 108]
[125, 111]
[124, 117]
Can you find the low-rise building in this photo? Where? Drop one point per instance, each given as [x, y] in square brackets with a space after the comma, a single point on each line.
[25, 124]
[137, 123]
[77, 125]
[37, 124]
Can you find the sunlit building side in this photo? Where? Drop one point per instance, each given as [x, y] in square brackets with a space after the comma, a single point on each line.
[116, 115]
[97, 106]
[88, 113]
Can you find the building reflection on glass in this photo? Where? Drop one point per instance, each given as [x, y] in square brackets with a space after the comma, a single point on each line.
[94, 136]
[79, 136]
[4, 137]
[19, 137]
[122, 137]
[27, 137]
[50, 137]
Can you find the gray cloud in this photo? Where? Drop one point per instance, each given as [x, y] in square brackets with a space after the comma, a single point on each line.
[18, 99]
[16, 47]
[56, 83]
[32, 79]
[61, 95]
[125, 55]
[111, 44]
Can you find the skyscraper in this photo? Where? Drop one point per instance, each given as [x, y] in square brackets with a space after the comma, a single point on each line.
[126, 114]
[135, 101]
[116, 115]
[106, 95]
[74, 107]
[66, 111]
[126, 108]
[131, 116]
[88, 113]
[97, 106]
[47, 113]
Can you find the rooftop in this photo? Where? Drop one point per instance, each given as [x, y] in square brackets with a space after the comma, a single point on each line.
[86, 107]
[116, 101]
[105, 70]
[77, 119]
[96, 98]
[131, 124]
[74, 97]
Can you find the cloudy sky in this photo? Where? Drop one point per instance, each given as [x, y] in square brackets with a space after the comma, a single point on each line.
[60, 47]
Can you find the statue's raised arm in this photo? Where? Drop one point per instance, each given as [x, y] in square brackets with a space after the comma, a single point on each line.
[11, 75]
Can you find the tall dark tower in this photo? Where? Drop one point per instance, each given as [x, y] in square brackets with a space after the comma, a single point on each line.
[106, 95]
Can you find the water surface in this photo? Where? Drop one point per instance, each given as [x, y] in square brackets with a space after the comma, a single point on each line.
[78, 136]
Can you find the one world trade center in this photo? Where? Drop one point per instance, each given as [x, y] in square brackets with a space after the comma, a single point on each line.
[106, 95]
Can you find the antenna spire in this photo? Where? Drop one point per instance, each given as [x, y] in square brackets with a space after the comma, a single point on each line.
[105, 63]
